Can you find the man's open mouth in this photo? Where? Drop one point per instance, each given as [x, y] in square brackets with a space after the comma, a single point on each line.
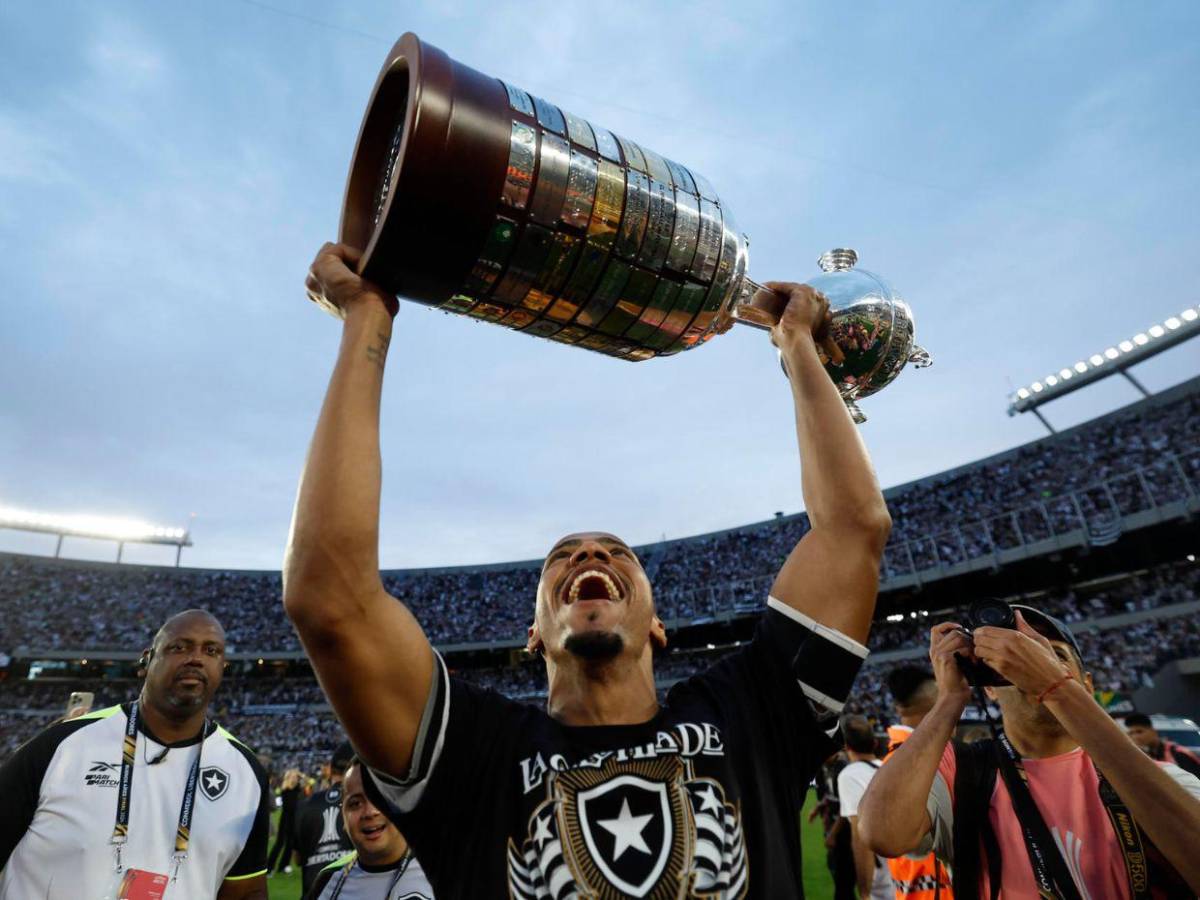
[593, 584]
[372, 830]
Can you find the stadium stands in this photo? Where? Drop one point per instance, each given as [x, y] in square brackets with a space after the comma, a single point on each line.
[1137, 467]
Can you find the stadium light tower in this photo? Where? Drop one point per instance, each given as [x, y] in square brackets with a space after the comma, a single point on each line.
[1115, 360]
[105, 528]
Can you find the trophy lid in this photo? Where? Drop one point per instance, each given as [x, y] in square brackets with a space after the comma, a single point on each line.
[837, 260]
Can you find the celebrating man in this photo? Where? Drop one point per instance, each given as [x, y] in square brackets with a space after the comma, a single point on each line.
[142, 797]
[606, 792]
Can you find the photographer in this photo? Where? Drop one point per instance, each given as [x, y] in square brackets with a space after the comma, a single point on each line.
[1028, 813]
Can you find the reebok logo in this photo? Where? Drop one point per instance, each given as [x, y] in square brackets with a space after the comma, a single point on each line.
[101, 774]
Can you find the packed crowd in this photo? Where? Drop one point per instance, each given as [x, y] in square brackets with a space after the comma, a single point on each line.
[1121, 463]
[300, 728]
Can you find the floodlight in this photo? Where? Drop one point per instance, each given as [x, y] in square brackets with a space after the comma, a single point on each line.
[1114, 360]
[110, 528]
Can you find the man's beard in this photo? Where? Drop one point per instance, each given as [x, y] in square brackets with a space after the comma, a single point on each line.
[1033, 714]
[595, 646]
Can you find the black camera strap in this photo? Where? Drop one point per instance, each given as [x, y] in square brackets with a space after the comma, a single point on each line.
[1050, 872]
[1049, 869]
[1129, 836]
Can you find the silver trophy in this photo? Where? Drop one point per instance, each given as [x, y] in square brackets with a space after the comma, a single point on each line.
[473, 196]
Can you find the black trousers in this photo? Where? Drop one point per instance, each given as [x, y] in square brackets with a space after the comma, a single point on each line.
[841, 866]
[281, 852]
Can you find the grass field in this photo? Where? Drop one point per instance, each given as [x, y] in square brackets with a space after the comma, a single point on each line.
[817, 884]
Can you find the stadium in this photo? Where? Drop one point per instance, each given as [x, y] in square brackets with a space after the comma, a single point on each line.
[966, 658]
[1097, 524]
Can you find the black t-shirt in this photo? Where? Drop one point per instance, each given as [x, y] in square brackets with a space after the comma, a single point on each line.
[703, 800]
[319, 835]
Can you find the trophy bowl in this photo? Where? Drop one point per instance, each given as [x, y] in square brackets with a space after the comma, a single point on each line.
[470, 195]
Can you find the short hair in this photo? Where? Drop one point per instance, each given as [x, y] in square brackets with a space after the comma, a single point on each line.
[342, 757]
[860, 736]
[906, 682]
[1138, 720]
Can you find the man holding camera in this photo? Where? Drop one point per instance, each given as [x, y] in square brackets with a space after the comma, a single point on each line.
[1060, 804]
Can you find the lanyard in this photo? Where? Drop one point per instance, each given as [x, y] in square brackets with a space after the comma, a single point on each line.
[1050, 872]
[1044, 865]
[400, 868]
[120, 833]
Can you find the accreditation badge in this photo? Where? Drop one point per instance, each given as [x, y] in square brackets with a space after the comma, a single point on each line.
[137, 884]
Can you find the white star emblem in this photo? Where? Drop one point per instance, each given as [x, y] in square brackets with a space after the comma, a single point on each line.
[709, 801]
[213, 781]
[542, 834]
[627, 829]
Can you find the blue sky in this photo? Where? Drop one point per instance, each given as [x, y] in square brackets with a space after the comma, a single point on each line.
[1024, 173]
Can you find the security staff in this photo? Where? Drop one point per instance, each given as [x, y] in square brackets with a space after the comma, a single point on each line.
[148, 796]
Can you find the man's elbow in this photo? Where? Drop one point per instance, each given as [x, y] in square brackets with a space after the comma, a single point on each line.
[874, 832]
[317, 594]
[868, 526]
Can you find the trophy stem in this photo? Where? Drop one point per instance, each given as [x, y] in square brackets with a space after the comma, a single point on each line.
[765, 313]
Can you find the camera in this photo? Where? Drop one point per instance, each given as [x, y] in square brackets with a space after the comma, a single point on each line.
[991, 613]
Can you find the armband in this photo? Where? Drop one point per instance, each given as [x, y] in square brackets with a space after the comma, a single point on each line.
[826, 661]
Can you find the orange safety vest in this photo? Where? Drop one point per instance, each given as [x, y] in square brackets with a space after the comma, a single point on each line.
[916, 879]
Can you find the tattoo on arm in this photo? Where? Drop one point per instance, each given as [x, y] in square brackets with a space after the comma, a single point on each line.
[377, 353]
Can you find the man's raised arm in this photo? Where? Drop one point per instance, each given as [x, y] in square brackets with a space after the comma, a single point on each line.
[369, 653]
[832, 575]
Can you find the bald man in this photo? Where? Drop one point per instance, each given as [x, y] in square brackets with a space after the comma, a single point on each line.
[143, 796]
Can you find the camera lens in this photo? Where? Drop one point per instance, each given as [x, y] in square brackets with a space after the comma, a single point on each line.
[993, 613]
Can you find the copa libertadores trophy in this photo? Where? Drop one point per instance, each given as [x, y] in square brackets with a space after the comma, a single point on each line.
[470, 195]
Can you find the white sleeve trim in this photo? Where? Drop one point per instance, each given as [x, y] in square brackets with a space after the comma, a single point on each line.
[830, 703]
[405, 793]
[830, 634]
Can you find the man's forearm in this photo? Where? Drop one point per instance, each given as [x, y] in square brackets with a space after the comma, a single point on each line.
[892, 817]
[839, 484]
[1163, 809]
[335, 526]
[864, 861]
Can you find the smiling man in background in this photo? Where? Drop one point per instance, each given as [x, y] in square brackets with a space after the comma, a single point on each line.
[381, 866]
[196, 818]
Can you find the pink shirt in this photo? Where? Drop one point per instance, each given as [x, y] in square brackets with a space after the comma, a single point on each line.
[1066, 791]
